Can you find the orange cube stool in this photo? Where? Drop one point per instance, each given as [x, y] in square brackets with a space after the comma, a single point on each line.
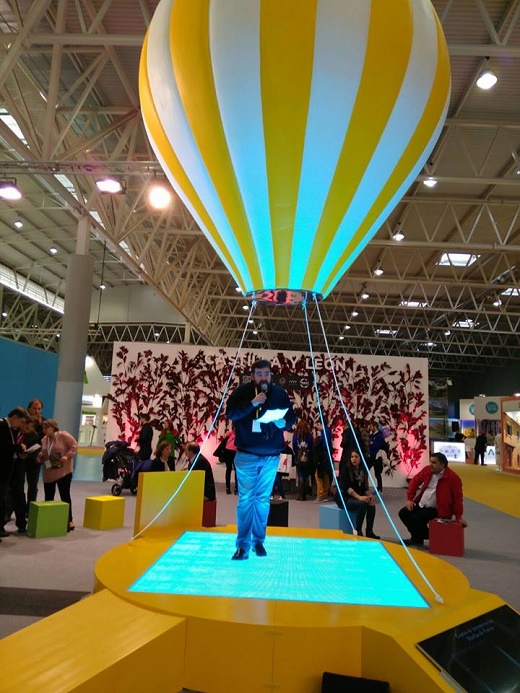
[209, 513]
[446, 538]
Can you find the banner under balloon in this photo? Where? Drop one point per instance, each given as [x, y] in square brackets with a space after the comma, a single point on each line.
[292, 128]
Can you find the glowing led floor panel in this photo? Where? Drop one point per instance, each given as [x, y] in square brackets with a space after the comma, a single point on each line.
[295, 569]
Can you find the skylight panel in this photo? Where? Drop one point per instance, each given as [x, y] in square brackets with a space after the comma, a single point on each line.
[457, 259]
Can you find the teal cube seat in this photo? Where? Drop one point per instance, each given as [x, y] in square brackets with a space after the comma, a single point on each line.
[332, 517]
[48, 519]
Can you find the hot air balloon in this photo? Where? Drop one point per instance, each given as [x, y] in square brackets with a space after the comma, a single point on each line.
[292, 128]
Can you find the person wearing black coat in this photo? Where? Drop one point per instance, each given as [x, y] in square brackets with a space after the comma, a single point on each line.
[145, 438]
[480, 448]
[9, 428]
[198, 462]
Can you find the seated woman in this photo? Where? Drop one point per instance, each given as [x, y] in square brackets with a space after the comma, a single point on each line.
[162, 461]
[359, 499]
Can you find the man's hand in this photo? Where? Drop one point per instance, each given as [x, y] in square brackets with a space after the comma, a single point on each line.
[409, 505]
[259, 399]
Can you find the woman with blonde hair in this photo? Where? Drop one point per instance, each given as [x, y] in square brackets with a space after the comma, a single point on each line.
[57, 455]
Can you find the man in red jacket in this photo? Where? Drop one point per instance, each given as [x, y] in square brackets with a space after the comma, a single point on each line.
[435, 491]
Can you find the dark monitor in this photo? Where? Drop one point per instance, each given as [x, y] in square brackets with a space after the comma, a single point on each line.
[481, 655]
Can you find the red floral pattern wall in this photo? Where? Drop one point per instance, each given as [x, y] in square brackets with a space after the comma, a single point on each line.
[187, 384]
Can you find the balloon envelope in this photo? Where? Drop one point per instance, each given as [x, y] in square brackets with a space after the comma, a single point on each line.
[292, 128]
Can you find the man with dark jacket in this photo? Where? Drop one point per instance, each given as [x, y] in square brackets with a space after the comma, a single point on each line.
[198, 462]
[259, 441]
[9, 428]
[480, 448]
[435, 491]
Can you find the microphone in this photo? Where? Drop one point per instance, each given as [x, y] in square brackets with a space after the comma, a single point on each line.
[264, 387]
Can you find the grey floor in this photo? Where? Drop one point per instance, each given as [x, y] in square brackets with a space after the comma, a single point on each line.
[54, 570]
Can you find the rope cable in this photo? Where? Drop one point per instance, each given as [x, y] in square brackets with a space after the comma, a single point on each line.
[320, 411]
[436, 595]
[208, 433]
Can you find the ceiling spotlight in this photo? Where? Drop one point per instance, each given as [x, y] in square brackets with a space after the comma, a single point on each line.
[4, 314]
[53, 250]
[102, 286]
[447, 333]
[245, 307]
[487, 80]
[364, 295]
[110, 185]
[379, 270]
[430, 182]
[497, 302]
[398, 236]
[347, 327]
[342, 337]
[354, 313]
[255, 331]
[18, 223]
[9, 190]
[159, 196]
[238, 289]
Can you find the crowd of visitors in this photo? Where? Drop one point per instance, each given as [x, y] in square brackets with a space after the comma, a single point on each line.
[264, 445]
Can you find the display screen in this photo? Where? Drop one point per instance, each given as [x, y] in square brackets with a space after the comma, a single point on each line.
[455, 452]
[481, 655]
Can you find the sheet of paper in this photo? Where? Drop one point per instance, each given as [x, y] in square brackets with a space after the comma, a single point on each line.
[34, 448]
[272, 415]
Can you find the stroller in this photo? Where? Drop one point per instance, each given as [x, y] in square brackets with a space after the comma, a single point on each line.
[119, 463]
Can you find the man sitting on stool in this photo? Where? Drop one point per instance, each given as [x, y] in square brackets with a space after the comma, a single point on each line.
[435, 491]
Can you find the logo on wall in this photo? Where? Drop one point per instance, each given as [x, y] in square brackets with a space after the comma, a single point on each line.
[288, 382]
[472, 409]
[491, 407]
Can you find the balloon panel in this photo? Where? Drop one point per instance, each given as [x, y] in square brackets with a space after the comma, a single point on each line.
[291, 128]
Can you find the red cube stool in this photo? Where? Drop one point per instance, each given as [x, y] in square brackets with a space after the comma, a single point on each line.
[209, 513]
[446, 538]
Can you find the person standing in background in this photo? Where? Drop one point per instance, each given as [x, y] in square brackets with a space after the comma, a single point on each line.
[377, 443]
[9, 428]
[57, 455]
[480, 448]
[145, 438]
[302, 447]
[322, 454]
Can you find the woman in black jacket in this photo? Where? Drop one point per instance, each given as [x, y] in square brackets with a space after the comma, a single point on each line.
[359, 499]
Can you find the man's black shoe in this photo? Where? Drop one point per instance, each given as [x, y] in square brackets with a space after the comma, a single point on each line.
[414, 542]
[21, 530]
[371, 535]
[239, 555]
[259, 549]
[3, 533]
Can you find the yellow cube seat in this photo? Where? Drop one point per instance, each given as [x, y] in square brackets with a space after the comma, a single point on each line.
[104, 512]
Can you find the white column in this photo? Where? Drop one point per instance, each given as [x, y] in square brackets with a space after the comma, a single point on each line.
[74, 334]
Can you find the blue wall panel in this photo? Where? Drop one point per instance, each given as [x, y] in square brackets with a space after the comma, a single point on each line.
[26, 373]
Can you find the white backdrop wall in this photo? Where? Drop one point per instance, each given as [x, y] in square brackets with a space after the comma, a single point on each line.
[186, 384]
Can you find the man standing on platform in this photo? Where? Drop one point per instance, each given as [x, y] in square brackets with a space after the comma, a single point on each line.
[261, 411]
[435, 491]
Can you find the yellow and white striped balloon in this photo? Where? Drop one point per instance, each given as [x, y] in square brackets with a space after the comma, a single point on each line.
[291, 128]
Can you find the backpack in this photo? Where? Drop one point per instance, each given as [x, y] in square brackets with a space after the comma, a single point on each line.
[303, 457]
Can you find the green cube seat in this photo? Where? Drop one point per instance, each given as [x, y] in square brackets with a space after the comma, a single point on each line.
[48, 519]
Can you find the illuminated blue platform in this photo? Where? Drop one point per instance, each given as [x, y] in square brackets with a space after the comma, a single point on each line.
[295, 569]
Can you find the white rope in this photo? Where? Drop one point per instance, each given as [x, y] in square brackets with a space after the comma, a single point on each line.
[322, 420]
[436, 595]
[215, 419]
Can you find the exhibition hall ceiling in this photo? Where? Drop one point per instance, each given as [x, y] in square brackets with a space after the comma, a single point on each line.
[70, 113]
